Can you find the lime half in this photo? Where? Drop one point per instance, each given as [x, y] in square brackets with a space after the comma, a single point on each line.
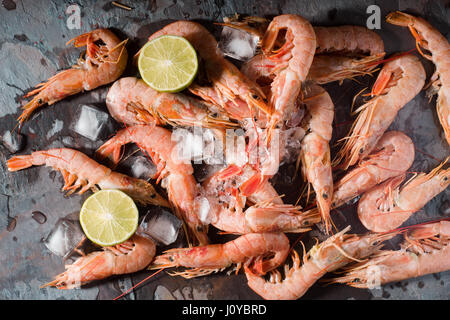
[109, 217]
[168, 63]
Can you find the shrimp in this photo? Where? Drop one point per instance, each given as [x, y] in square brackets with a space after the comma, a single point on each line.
[426, 250]
[132, 101]
[130, 256]
[391, 157]
[106, 59]
[399, 81]
[432, 40]
[387, 206]
[293, 60]
[80, 171]
[226, 86]
[261, 252]
[332, 254]
[345, 52]
[262, 217]
[315, 149]
[176, 175]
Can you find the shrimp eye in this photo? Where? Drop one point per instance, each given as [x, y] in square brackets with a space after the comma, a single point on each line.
[361, 150]
[325, 195]
[254, 96]
[445, 178]
[40, 101]
[171, 259]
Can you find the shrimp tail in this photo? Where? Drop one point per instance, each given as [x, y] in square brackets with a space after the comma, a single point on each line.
[17, 163]
[111, 149]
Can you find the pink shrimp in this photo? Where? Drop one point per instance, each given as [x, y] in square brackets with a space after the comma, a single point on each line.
[391, 157]
[293, 61]
[426, 250]
[80, 171]
[262, 217]
[315, 149]
[430, 39]
[131, 256]
[176, 174]
[387, 206]
[106, 59]
[399, 81]
[332, 254]
[227, 87]
[263, 251]
[345, 52]
[132, 101]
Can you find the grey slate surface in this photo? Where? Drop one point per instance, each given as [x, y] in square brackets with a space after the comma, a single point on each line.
[32, 48]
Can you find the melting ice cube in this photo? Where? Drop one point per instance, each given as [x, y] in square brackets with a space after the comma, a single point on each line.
[162, 293]
[238, 44]
[143, 168]
[65, 236]
[12, 141]
[161, 225]
[92, 123]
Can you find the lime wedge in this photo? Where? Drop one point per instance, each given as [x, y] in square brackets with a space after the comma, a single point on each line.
[109, 217]
[168, 63]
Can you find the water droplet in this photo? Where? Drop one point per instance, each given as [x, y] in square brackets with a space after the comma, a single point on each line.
[12, 224]
[39, 217]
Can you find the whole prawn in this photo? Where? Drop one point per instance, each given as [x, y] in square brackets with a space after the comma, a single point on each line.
[315, 149]
[103, 64]
[345, 52]
[132, 101]
[342, 52]
[426, 250]
[391, 157]
[293, 60]
[80, 171]
[387, 206]
[399, 81]
[261, 252]
[176, 175]
[130, 256]
[226, 87]
[430, 39]
[332, 254]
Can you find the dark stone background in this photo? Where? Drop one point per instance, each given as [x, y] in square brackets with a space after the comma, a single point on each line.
[32, 48]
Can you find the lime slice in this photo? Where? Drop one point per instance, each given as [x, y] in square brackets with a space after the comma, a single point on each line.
[109, 217]
[168, 63]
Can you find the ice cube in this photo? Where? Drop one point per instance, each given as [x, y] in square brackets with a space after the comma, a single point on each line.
[238, 44]
[162, 293]
[14, 142]
[65, 236]
[160, 225]
[92, 123]
[142, 168]
[203, 209]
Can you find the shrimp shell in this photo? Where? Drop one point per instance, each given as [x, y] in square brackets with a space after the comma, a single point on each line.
[418, 256]
[387, 206]
[80, 171]
[131, 256]
[103, 64]
[432, 40]
[332, 254]
[265, 251]
[399, 81]
[315, 149]
[132, 101]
